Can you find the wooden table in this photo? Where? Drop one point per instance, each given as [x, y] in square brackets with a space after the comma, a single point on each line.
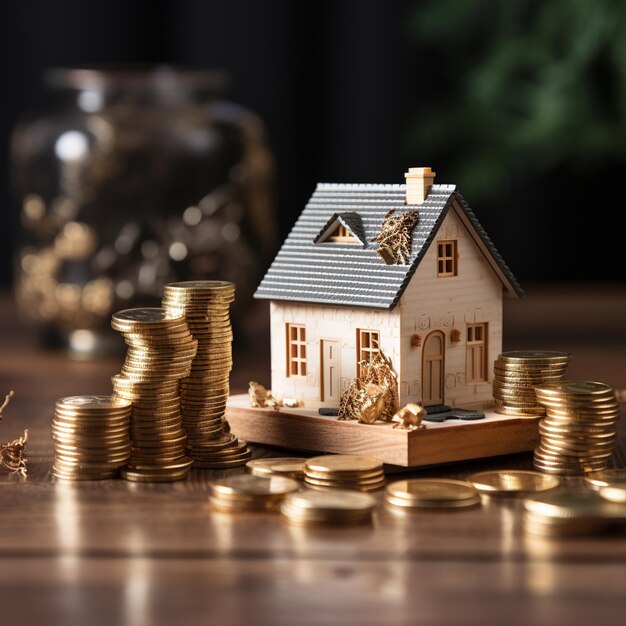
[120, 553]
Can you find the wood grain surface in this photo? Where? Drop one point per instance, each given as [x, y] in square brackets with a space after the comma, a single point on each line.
[119, 553]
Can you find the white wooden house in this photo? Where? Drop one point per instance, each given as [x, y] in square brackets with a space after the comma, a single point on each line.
[333, 299]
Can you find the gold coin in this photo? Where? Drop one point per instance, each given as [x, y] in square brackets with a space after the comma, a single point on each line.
[604, 478]
[267, 467]
[575, 505]
[512, 482]
[431, 491]
[329, 503]
[337, 464]
[344, 483]
[518, 412]
[245, 484]
[528, 356]
[441, 504]
[616, 492]
[151, 477]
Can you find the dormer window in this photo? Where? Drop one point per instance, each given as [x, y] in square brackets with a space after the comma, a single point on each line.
[343, 228]
[342, 235]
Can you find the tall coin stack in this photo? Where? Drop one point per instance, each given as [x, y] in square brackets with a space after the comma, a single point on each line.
[516, 374]
[160, 351]
[579, 430]
[204, 392]
[90, 436]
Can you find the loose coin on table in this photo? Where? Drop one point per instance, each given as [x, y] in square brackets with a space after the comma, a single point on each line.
[571, 513]
[615, 492]
[293, 467]
[250, 493]
[328, 508]
[512, 482]
[604, 478]
[432, 493]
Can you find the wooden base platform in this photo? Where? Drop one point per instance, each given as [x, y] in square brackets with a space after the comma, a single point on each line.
[448, 442]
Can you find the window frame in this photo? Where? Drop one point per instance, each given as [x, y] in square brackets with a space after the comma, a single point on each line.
[343, 235]
[299, 360]
[471, 345]
[443, 258]
[368, 350]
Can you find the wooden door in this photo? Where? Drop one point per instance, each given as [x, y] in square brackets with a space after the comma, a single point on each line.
[331, 371]
[433, 361]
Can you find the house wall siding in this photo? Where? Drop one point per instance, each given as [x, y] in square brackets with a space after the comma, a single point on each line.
[431, 303]
[324, 322]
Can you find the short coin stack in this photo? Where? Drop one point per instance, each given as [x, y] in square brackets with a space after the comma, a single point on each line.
[204, 392]
[292, 467]
[516, 374]
[90, 436]
[160, 351]
[250, 493]
[344, 471]
[570, 513]
[579, 430]
[328, 508]
[430, 493]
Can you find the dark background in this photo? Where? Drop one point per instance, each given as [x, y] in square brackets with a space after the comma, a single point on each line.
[521, 103]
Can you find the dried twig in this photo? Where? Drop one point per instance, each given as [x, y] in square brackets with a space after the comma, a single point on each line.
[12, 454]
[7, 399]
[394, 239]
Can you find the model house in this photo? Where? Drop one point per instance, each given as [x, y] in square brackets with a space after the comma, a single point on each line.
[335, 298]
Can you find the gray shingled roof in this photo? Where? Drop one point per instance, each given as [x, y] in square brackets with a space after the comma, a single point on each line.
[351, 275]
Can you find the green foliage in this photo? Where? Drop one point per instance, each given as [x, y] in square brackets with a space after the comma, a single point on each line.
[531, 84]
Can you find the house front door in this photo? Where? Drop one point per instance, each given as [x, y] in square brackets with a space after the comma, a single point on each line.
[433, 360]
[331, 371]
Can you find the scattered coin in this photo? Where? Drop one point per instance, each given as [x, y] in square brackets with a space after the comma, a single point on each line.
[436, 493]
[571, 513]
[512, 482]
[292, 467]
[328, 508]
[245, 492]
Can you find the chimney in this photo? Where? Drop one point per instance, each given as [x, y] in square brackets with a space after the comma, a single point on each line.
[419, 180]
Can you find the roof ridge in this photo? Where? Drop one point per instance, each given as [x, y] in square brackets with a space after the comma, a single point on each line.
[443, 187]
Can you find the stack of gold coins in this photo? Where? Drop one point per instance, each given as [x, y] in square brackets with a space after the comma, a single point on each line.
[497, 483]
[515, 375]
[204, 392]
[570, 513]
[250, 493]
[292, 467]
[344, 471]
[90, 436]
[430, 493]
[160, 351]
[579, 430]
[328, 508]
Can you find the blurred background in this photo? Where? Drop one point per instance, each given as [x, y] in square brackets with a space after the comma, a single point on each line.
[521, 103]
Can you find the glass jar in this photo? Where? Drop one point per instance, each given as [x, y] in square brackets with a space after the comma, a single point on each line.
[130, 180]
